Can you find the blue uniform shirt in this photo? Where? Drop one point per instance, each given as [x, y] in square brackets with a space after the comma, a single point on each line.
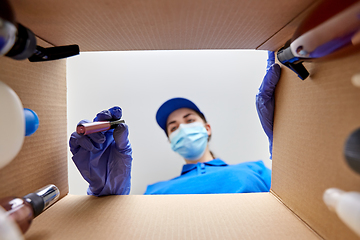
[216, 177]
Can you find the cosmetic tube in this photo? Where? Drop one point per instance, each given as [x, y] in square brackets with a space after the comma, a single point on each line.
[93, 127]
[22, 210]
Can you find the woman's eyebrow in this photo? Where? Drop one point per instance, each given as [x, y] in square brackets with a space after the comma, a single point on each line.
[187, 115]
[171, 122]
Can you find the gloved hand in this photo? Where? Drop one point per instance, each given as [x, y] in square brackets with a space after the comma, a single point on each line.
[265, 101]
[104, 158]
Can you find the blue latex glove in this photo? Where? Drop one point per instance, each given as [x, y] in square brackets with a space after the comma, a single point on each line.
[104, 158]
[265, 99]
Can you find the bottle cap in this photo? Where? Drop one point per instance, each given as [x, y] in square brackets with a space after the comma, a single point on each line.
[43, 198]
[31, 121]
[331, 197]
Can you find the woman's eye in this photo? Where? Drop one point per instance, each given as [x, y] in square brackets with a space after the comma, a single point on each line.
[190, 120]
[173, 129]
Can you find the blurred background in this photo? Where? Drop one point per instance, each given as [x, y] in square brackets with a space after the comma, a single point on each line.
[222, 83]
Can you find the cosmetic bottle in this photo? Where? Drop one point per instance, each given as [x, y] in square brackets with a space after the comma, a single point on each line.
[22, 210]
[346, 205]
[16, 123]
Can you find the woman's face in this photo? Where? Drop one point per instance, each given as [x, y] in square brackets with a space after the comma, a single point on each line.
[184, 116]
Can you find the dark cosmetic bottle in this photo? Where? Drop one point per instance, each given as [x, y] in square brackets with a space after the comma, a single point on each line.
[22, 210]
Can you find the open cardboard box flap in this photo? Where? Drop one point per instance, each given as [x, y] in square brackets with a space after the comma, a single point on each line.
[218, 216]
[312, 121]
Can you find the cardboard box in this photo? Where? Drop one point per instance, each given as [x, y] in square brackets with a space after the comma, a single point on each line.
[313, 118]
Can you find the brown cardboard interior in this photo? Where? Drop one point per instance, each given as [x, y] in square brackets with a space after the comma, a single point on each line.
[161, 24]
[312, 120]
[218, 216]
[43, 157]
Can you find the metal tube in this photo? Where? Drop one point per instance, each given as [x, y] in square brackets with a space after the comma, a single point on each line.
[93, 127]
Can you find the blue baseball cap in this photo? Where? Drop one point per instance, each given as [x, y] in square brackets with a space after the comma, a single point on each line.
[171, 105]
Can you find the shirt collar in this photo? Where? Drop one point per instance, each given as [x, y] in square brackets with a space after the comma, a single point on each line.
[215, 162]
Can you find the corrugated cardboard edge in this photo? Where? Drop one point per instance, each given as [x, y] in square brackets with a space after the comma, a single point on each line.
[158, 25]
[276, 41]
[44, 43]
[216, 216]
[297, 216]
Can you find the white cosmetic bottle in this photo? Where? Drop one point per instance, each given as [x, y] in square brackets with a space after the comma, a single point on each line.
[12, 125]
[16, 123]
[346, 205]
[12, 129]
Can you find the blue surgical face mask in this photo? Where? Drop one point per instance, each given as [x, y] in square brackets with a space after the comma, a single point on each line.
[189, 140]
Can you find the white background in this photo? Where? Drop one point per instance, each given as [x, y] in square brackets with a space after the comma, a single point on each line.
[222, 83]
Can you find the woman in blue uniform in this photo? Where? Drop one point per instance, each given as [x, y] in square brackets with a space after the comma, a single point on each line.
[189, 133]
[104, 159]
